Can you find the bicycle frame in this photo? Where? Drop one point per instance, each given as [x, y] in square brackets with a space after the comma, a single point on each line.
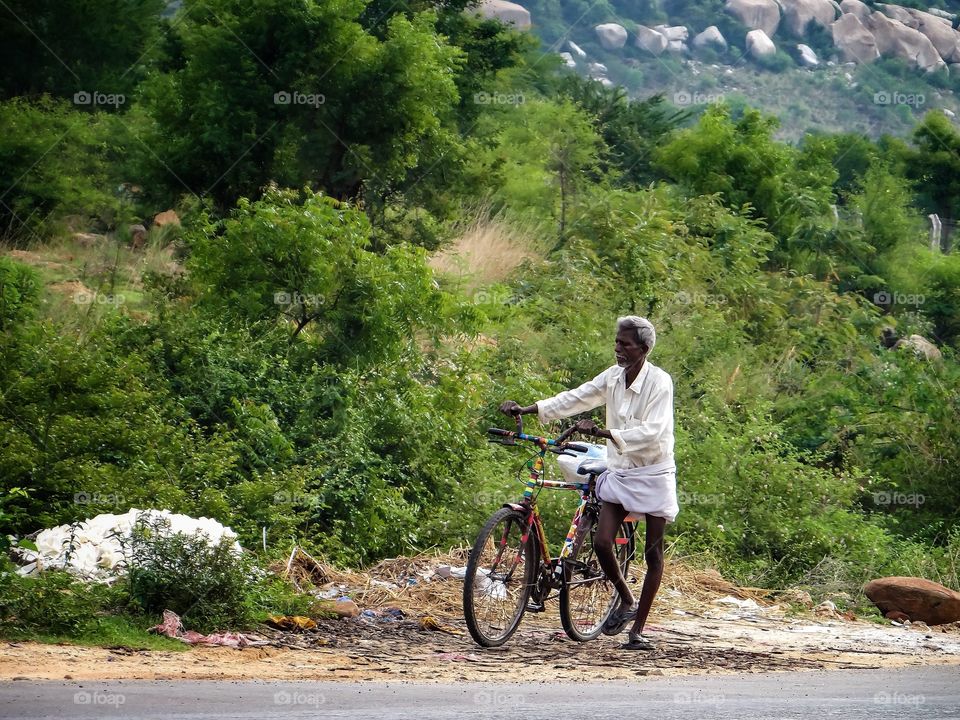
[528, 505]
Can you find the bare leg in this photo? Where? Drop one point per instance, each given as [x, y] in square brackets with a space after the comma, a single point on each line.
[653, 553]
[611, 516]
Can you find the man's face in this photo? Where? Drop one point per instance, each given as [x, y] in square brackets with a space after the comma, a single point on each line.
[627, 349]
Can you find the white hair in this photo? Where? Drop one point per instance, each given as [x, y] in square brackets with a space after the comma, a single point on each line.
[646, 334]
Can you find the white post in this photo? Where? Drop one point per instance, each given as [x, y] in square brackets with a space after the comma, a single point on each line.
[936, 229]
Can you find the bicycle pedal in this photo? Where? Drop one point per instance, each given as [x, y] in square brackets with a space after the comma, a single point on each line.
[536, 607]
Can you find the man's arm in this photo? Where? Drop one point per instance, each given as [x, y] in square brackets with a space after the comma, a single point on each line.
[592, 394]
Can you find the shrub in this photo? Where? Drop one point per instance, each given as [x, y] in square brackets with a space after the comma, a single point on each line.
[19, 290]
[206, 585]
[52, 603]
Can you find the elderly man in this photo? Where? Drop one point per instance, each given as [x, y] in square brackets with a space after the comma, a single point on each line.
[641, 476]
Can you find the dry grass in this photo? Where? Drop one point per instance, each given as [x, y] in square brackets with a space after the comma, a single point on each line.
[487, 249]
[386, 584]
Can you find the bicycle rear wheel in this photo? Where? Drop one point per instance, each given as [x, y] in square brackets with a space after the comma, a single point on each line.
[587, 598]
[500, 573]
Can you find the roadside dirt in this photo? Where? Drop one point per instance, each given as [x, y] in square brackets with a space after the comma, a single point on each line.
[701, 624]
[354, 649]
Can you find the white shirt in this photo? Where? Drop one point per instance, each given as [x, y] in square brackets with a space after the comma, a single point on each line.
[640, 418]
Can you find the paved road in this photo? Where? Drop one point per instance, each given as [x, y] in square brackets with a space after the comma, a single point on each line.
[930, 693]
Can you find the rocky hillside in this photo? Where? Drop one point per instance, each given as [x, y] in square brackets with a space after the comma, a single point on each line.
[816, 64]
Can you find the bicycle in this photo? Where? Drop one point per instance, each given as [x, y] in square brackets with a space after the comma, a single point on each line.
[511, 571]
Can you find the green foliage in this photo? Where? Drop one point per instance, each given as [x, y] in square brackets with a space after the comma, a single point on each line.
[935, 164]
[309, 378]
[205, 584]
[60, 47]
[631, 129]
[19, 291]
[53, 602]
[290, 109]
[52, 163]
[307, 262]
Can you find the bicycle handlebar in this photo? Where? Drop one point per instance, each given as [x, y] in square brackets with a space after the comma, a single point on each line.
[554, 442]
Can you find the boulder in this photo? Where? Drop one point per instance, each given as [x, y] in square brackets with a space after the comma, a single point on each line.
[677, 46]
[167, 217]
[853, 40]
[949, 113]
[759, 45]
[915, 598]
[673, 33]
[922, 347]
[138, 236]
[576, 49]
[597, 69]
[855, 7]
[568, 60]
[806, 56]
[756, 14]
[650, 40]
[506, 12]
[611, 35]
[898, 13]
[711, 37]
[894, 39]
[798, 14]
[939, 32]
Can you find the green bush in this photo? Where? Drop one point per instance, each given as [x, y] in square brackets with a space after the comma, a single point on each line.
[206, 585]
[53, 162]
[53, 603]
[19, 291]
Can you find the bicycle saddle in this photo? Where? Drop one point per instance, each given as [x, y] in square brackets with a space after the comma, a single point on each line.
[591, 467]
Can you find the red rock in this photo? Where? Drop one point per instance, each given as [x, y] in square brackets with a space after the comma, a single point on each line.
[167, 217]
[346, 608]
[914, 598]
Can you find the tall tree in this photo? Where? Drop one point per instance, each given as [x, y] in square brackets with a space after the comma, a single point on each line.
[297, 93]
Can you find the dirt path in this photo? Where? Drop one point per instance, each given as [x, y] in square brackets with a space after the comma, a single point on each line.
[356, 649]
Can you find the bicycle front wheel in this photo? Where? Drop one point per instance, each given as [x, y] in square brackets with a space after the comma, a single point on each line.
[587, 597]
[500, 573]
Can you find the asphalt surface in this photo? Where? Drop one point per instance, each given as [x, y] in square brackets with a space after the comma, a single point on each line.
[930, 692]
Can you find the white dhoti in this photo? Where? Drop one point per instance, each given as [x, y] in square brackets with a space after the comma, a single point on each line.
[651, 489]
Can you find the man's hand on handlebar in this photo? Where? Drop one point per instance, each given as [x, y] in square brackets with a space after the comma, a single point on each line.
[513, 409]
[589, 427]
